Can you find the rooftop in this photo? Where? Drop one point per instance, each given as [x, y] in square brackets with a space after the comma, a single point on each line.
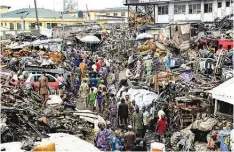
[114, 9]
[42, 13]
[4, 6]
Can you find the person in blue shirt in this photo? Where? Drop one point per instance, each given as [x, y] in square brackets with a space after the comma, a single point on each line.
[115, 142]
[76, 63]
[77, 83]
[93, 81]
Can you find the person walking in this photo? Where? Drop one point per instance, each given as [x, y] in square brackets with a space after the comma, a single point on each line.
[83, 68]
[113, 114]
[93, 81]
[161, 127]
[44, 88]
[99, 101]
[84, 89]
[98, 79]
[138, 122]
[123, 112]
[61, 81]
[75, 64]
[92, 98]
[149, 65]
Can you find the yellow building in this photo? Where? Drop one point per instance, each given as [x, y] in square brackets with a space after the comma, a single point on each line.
[4, 9]
[24, 20]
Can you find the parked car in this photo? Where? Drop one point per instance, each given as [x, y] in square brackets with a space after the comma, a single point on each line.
[33, 80]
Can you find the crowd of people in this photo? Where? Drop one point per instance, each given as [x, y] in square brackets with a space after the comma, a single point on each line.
[93, 80]
[90, 81]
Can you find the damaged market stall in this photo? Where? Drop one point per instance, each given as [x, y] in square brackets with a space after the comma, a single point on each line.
[180, 34]
[224, 98]
[91, 41]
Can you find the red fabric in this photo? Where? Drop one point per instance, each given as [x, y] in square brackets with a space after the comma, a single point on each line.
[162, 125]
[98, 66]
[73, 53]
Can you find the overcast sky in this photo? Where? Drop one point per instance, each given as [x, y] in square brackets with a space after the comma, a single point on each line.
[58, 4]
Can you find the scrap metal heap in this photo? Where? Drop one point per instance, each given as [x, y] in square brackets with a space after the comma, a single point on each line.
[22, 118]
[183, 90]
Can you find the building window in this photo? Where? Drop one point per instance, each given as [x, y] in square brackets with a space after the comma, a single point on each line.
[18, 26]
[219, 4]
[48, 26]
[33, 26]
[115, 14]
[53, 25]
[5, 24]
[208, 8]
[40, 24]
[228, 3]
[1, 24]
[179, 9]
[11, 26]
[195, 9]
[122, 13]
[162, 10]
[107, 14]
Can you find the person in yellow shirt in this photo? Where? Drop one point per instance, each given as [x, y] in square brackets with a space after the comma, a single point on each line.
[83, 68]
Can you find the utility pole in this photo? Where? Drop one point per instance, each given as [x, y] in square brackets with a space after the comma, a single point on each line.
[38, 23]
[64, 10]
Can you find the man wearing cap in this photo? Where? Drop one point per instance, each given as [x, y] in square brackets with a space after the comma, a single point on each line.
[138, 122]
[148, 65]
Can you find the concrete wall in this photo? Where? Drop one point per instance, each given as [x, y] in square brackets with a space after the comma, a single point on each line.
[5, 22]
[3, 10]
[205, 17]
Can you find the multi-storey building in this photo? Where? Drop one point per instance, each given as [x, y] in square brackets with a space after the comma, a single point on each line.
[102, 16]
[167, 11]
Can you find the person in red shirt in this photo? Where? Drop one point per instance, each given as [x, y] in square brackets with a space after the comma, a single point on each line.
[161, 127]
[98, 66]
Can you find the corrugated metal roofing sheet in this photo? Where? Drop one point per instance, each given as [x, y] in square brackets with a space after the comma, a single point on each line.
[42, 13]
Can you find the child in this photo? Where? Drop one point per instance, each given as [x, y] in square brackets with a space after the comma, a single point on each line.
[161, 127]
[92, 98]
[99, 100]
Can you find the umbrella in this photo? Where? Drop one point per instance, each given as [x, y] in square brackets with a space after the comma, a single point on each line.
[95, 27]
[144, 36]
[90, 39]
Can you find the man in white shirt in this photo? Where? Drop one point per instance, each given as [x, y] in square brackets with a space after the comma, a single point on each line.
[61, 81]
[84, 91]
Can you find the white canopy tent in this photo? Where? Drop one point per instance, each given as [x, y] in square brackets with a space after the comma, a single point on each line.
[90, 39]
[144, 36]
[224, 92]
